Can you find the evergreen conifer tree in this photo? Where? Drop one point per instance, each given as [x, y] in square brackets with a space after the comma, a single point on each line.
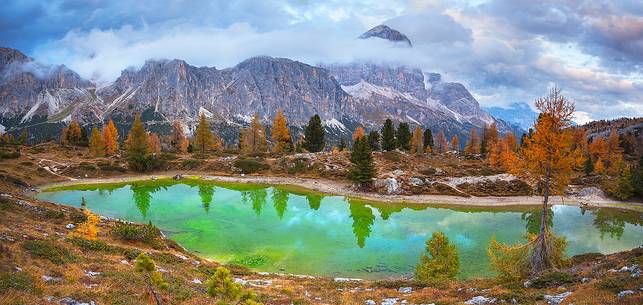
[374, 140]
[428, 139]
[314, 140]
[136, 146]
[403, 137]
[388, 136]
[363, 169]
[96, 144]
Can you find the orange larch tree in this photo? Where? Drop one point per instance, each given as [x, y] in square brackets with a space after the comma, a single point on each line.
[358, 133]
[548, 160]
[417, 141]
[178, 140]
[154, 143]
[280, 135]
[110, 137]
[455, 143]
[473, 143]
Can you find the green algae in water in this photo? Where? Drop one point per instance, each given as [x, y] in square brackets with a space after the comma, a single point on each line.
[279, 229]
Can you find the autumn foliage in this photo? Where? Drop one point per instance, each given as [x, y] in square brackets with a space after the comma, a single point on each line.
[280, 135]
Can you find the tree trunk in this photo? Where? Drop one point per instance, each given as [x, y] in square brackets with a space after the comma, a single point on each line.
[150, 287]
[539, 260]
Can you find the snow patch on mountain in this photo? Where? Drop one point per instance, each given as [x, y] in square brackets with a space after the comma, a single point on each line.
[334, 123]
[30, 113]
[2, 129]
[205, 112]
[364, 90]
[244, 117]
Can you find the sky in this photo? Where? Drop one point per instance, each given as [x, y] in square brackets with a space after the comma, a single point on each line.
[504, 51]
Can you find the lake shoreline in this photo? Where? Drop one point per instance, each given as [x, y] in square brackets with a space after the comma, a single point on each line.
[337, 188]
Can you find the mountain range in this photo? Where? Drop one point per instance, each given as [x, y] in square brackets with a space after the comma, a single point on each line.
[43, 99]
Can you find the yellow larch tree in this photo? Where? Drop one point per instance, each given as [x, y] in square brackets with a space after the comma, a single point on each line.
[455, 143]
[110, 137]
[614, 154]
[178, 140]
[417, 141]
[254, 137]
[153, 143]
[442, 145]
[280, 135]
[96, 144]
[473, 143]
[89, 228]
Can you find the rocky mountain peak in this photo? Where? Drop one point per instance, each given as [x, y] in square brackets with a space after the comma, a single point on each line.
[9, 55]
[385, 32]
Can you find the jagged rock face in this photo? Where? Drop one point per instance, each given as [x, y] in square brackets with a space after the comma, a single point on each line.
[385, 32]
[177, 90]
[33, 95]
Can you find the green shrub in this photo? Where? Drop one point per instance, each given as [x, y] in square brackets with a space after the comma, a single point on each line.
[49, 250]
[131, 253]
[53, 214]
[9, 155]
[16, 281]
[147, 234]
[90, 245]
[222, 286]
[615, 284]
[250, 165]
[77, 217]
[392, 156]
[440, 261]
[552, 279]
[190, 163]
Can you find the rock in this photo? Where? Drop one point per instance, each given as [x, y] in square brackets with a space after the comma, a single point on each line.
[197, 281]
[556, 299]
[177, 177]
[91, 273]
[70, 226]
[405, 290]
[585, 280]
[345, 280]
[527, 284]
[161, 270]
[480, 300]
[389, 301]
[414, 181]
[50, 279]
[370, 302]
[70, 301]
[391, 185]
[397, 172]
[625, 293]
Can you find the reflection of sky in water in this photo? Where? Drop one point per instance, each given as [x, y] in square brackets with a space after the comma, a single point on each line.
[340, 237]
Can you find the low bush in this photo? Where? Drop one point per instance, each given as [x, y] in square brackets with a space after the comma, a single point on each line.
[147, 234]
[131, 253]
[49, 250]
[91, 245]
[552, 279]
[9, 155]
[16, 281]
[77, 217]
[250, 165]
[190, 163]
[615, 284]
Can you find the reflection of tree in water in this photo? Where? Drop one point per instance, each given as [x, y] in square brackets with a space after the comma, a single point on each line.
[533, 220]
[206, 192]
[280, 200]
[363, 219]
[258, 198]
[314, 201]
[607, 222]
[142, 195]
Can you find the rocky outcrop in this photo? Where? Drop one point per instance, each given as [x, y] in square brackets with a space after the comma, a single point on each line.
[385, 32]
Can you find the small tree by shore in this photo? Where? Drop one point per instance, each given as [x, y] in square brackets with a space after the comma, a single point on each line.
[439, 262]
[363, 170]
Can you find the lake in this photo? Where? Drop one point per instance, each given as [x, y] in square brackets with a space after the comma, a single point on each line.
[281, 229]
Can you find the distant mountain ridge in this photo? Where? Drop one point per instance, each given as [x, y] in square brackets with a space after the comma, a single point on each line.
[519, 114]
[345, 96]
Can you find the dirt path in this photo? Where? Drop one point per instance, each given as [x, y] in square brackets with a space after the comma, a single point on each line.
[344, 189]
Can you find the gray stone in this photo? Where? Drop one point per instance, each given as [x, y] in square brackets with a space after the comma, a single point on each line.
[405, 290]
[625, 293]
[370, 302]
[480, 300]
[389, 301]
[556, 299]
[70, 226]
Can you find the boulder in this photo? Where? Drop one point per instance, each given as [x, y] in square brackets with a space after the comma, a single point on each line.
[480, 300]
[557, 299]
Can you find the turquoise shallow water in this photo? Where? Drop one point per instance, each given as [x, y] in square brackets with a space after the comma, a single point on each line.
[273, 229]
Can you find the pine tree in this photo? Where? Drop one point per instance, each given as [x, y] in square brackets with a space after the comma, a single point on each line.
[136, 146]
[417, 141]
[588, 166]
[374, 140]
[403, 137]
[281, 139]
[314, 140]
[152, 278]
[203, 138]
[178, 140]
[428, 140]
[624, 189]
[254, 137]
[342, 144]
[363, 169]
[72, 134]
[110, 137]
[388, 136]
[473, 144]
[96, 144]
[455, 143]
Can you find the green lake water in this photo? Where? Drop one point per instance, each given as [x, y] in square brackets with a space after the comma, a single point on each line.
[279, 230]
